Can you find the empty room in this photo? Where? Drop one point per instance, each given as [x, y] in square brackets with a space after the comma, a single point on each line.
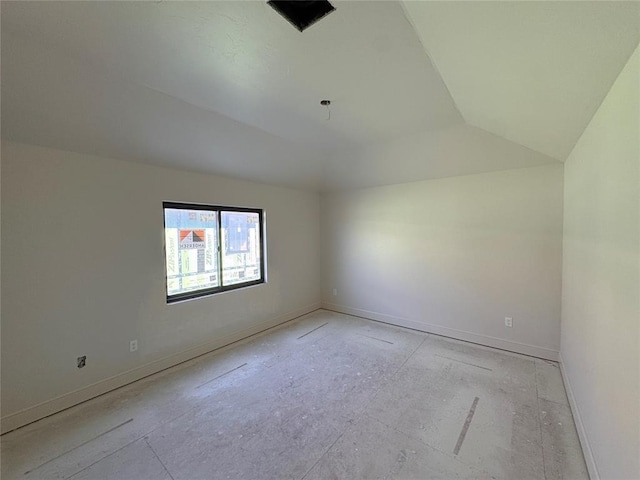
[306, 240]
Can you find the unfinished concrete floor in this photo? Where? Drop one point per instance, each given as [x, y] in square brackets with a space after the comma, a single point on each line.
[327, 396]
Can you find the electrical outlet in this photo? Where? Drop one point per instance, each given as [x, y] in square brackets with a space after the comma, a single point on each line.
[508, 322]
[82, 361]
[335, 292]
[133, 345]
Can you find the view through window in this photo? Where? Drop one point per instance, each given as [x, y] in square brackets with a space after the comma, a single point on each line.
[210, 249]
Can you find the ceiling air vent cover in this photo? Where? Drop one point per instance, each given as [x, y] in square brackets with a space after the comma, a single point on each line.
[301, 13]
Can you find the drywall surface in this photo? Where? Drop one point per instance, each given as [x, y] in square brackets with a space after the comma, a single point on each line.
[601, 281]
[448, 152]
[453, 256]
[531, 72]
[83, 269]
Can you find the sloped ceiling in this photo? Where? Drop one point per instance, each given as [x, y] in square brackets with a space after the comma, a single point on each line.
[531, 72]
[51, 100]
[242, 60]
[231, 88]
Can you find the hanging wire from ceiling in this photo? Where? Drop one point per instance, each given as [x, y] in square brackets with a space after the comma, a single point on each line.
[327, 103]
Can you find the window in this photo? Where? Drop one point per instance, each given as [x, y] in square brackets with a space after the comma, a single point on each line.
[211, 249]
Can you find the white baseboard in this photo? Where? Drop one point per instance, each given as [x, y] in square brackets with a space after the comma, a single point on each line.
[523, 348]
[589, 459]
[55, 405]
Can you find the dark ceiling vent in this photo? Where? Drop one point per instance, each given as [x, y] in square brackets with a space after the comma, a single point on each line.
[301, 13]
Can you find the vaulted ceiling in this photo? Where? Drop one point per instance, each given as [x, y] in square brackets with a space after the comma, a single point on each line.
[418, 89]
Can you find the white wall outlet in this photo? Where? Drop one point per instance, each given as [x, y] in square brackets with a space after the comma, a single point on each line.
[335, 292]
[508, 322]
[133, 345]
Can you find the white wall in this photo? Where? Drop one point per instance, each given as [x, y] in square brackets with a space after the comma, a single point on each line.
[601, 282]
[82, 273]
[452, 256]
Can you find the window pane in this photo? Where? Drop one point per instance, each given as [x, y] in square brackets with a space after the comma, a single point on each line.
[240, 247]
[191, 243]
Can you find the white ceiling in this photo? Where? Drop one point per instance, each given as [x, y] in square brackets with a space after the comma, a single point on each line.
[531, 72]
[231, 88]
[243, 60]
[50, 100]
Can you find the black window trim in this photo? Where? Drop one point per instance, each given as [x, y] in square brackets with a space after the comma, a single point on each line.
[179, 297]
